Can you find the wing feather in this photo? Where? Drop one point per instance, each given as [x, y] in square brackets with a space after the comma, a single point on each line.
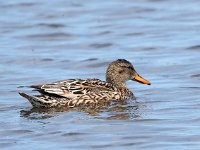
[74, 88]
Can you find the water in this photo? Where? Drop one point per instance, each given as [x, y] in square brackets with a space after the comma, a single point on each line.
[46, 41]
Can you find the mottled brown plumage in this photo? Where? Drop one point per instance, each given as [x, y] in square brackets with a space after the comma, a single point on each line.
[77, 92]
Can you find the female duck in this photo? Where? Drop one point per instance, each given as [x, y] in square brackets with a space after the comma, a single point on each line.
[76, 92]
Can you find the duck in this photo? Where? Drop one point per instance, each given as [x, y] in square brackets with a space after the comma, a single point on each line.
[85, 92]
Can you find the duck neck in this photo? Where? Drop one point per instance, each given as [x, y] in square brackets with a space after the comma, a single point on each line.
[117, 83]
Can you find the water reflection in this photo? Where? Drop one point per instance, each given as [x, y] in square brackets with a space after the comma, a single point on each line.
[121, 110]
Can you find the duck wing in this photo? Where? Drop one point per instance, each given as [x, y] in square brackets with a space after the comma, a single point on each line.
[74, 88]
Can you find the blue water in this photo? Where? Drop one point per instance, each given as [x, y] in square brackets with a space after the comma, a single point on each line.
[46, 41]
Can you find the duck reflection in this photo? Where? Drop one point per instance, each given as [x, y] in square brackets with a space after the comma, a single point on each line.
[114, 110]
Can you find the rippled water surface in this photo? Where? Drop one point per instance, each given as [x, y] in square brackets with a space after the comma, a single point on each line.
[46, 41]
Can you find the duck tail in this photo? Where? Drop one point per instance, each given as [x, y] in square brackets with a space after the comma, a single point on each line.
[35, 101]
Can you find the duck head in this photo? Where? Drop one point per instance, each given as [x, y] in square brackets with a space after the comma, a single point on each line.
[120, 71]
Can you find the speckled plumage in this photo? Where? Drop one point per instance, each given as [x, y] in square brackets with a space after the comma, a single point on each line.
[77, 92]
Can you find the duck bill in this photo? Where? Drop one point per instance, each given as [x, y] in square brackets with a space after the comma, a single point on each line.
[139, 79]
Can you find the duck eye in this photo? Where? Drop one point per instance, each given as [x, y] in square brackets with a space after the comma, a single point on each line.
[120, 71]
